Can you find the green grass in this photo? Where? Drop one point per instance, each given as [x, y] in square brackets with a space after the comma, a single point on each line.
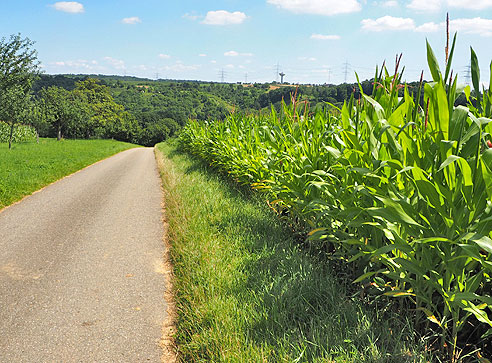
[28, 167]
[246, 292]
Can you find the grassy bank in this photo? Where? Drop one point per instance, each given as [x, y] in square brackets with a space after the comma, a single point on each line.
[30, 166]
[246, 292]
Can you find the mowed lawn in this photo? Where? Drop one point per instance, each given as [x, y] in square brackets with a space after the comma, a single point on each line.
[28, 167]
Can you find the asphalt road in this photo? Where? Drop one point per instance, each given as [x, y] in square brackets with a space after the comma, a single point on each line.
[81, 274]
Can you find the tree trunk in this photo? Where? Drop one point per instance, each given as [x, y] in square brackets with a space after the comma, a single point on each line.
[37, 137]
[59, 132]
[12, 124]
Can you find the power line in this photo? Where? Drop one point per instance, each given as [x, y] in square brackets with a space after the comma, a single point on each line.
[222, 75]
[345, 72]
[468, 74]
[277, 71]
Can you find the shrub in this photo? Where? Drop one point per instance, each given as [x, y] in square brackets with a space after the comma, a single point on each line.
[22, 133]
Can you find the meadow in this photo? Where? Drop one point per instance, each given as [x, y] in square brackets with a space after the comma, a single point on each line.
[396, 186]
[29, 166]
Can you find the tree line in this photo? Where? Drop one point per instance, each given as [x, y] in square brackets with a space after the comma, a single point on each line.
[78, 109]
[133, 109]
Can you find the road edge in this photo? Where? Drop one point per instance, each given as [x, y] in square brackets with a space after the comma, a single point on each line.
[64, 177]
[167, 342]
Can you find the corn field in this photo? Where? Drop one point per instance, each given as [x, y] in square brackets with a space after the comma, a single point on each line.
[397, 183]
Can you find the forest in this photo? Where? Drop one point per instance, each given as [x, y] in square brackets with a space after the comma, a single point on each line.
[147, 111]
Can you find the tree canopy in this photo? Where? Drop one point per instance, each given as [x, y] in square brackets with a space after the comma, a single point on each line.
[19, 67]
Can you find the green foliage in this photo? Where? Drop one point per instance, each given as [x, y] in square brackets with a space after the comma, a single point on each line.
[175, 101]
[18, 69]
[158, 105]
[58, 80]
[22, 133]
[64, 111]
[108, 119]
[400, 185]
[88, 111]
[246, 292]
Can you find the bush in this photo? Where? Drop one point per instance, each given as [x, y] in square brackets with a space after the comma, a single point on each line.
[22, 133]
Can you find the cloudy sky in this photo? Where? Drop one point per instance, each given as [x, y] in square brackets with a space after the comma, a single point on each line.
[311, 41]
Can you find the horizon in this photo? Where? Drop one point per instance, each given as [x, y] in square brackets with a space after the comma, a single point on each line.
[311, 41]
[145, 79]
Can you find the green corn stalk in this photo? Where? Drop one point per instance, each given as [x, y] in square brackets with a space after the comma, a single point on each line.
[403, 191]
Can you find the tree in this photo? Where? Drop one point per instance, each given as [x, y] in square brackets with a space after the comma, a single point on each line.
[36, 117]
[108, 118]
[62, 110]
[19, 67]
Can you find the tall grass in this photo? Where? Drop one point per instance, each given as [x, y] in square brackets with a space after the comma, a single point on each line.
[246, 292]
[402, 190]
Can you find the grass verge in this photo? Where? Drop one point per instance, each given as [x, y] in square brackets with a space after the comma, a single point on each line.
[246, 292]
[28, 167]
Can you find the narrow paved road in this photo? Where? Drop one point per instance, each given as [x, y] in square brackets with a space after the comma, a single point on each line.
[81, 267]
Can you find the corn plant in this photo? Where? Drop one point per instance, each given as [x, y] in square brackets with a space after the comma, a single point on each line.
[400, 188]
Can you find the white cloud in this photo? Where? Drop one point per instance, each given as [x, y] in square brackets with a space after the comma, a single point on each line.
[425, 5]
[222, 17]
[202, 55]
[191, 16]
[325, 37]
[233, 53]
[318, 7]
[180, 67]
[230, 66]
[164, 56]
[478, 26]
[69, 7]
[132, 20]
[388, 23]
[389, 4]
[311, 59]
[471, 4]
[116, 63]
[76, 64]
[213, 61]
[436, 5]
[429, 27]
[386, 3]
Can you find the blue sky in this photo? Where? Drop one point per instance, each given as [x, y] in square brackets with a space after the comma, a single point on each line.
[311, 41]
